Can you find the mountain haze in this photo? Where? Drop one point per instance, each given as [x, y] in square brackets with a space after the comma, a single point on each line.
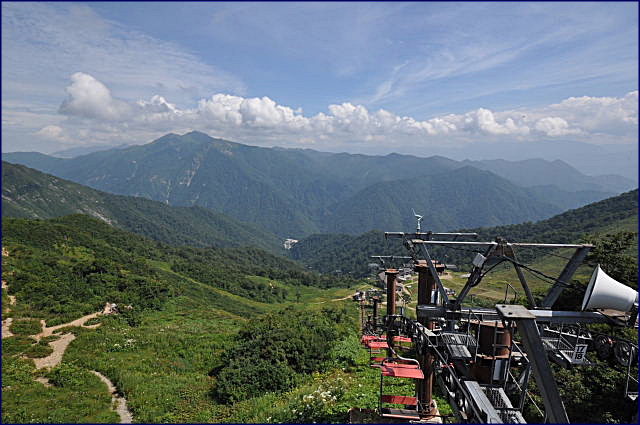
[538, 172]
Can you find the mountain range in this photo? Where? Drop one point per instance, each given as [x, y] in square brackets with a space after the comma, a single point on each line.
[295, 193]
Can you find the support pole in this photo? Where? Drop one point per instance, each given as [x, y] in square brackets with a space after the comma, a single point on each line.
[525, 320]
[391, 275]
[565, 276]
[523, 281]
[376, 300]
[426, 285]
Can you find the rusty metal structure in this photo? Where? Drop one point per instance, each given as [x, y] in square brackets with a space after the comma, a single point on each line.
[483, 358]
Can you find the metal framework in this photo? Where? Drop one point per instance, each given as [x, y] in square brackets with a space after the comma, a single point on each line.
[472, 353]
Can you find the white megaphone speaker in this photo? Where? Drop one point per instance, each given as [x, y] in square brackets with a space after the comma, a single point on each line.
[606, 292]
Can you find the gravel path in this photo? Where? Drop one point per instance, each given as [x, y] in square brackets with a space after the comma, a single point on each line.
[6, 324]
[12, 298]
[119, 401]
[60, 346]
[78, 322]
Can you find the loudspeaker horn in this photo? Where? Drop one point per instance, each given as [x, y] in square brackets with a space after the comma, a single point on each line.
[606, 292]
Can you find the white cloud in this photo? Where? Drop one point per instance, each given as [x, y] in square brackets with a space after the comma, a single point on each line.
[54, 133]
[89, 98]
[91, 108]
[601, 114]
[554, 126]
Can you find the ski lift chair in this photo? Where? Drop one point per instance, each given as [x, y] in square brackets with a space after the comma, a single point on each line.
[399, 368]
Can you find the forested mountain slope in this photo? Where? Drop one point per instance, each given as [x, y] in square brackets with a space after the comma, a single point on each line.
[28, 193]
[348, 253]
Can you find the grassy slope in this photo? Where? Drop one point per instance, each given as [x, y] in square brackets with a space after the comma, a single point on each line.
[161, 364]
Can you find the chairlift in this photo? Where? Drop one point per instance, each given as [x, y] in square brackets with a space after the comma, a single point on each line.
[399, 368]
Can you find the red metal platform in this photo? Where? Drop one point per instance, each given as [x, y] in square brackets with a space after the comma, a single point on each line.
[399, 414]
[367, 338]
[398, 370]
[399, 399]
[377, 344]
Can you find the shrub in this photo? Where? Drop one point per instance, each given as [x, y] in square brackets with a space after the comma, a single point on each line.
[69, 375]
[26, 327]
[16, 345]
[38, 350]
[276, 351]
[16, 371]
[345, 353]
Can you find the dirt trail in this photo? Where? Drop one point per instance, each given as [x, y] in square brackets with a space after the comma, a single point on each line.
[12, 301]
[59, 347]
[12, 298]
[6, 324]
[78, 322]
[344, 298]
[119, 401]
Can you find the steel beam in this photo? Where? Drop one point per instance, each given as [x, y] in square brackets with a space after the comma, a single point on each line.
[525, 320]
[472, 243]
[566, 275]
[523, 281]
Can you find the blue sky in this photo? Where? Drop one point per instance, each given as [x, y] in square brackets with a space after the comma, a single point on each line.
[363, 76]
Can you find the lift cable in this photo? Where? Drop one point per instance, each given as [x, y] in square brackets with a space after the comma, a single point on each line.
[551, 279]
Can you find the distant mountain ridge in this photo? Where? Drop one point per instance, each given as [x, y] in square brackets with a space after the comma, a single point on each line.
[538, 172]
[294, 192]
[28, 193]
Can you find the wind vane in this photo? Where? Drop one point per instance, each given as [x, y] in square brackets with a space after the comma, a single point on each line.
[419, 217]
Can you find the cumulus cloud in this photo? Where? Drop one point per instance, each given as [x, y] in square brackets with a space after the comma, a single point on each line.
[601, 114]
[89, 98]
[53, 132]
[90, 105]
[554, 126]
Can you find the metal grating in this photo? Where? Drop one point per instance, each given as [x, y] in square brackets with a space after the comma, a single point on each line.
[497, 397]
[511, 417]
[449, 338]
[458, 351]
[503, 406]
[554, 344]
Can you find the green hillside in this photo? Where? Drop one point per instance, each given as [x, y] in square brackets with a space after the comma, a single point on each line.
[295, 193]
[28, 193]
[328, 253]
[185, 314]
